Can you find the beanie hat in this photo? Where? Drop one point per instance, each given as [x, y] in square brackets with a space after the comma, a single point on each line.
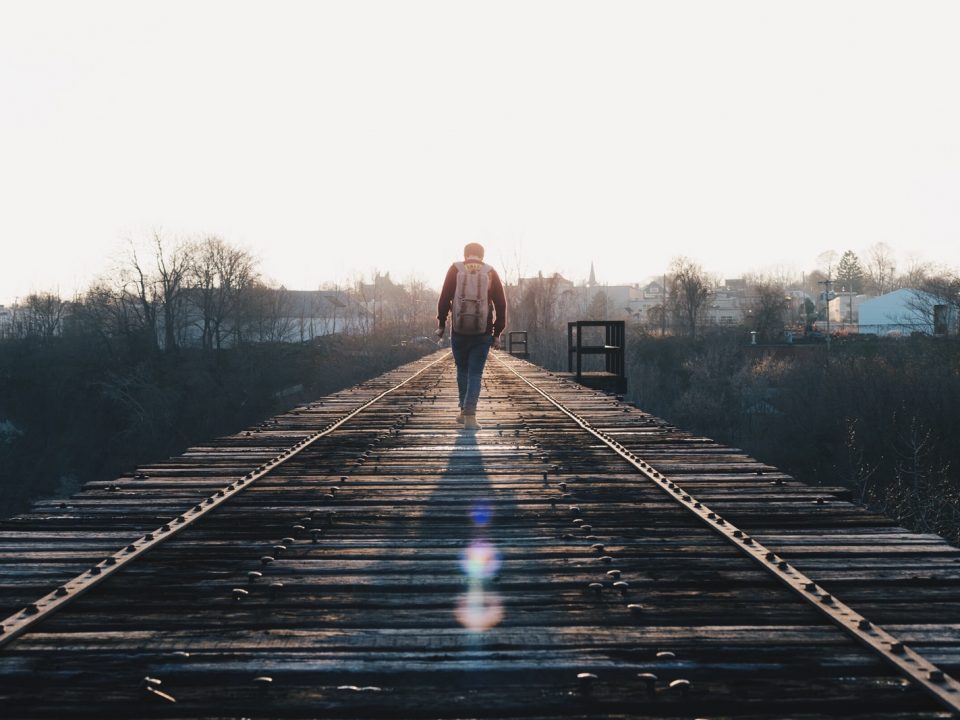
[473, 251]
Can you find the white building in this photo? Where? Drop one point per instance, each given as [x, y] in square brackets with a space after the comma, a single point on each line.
[905, 311]
[726, 306]
[844, 307]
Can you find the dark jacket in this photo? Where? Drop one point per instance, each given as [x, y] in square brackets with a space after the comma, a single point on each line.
[496, 320]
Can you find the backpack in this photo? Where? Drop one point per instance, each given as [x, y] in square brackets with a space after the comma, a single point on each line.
[471, 302]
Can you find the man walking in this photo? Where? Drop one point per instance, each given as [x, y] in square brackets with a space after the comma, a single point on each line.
[473, 294]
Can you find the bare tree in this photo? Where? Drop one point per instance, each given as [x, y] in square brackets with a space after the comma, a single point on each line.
[46, 312]
[541, 306]
[266, 314]
[599, 307]
[769, 309]
[137, 284]
[219, 276]
[172, 268]
[827, 262]
[689, 290]
[880, 268]
[916, 273]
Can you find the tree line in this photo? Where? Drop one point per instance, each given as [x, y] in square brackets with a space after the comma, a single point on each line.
[210, 294]
[774, 302]
[177, 344]
[875, 415]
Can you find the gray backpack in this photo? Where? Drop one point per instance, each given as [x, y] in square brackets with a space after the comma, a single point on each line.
[471, 303]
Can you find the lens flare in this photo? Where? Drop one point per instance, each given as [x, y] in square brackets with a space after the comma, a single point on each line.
[480, 560]
[478, 610]
[481, 514]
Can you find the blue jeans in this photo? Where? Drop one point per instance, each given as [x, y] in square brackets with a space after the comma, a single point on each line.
[470, 355]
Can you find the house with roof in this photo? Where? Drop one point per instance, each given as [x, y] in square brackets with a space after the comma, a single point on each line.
[907, 311]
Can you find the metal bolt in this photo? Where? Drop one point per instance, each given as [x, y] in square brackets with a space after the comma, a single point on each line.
[737, 533]
[826, 599]
[279, 550]
[239, 594]
[810, 587]
[263, 682]
[61, 591]
[605, 559]
[783, 565]
[635, 608]
[31, 609]
[254, 575]
[680, 685]
[622, 586]
[595, 587]
[897, 648]
[287, 541]
[864, 624]
[266, 560]
[615, 574]
[586, 681]
[665, 655]
[936, 676]
[649, 679]
[586, 528]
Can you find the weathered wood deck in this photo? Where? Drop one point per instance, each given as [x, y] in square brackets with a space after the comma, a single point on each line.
[421, 571]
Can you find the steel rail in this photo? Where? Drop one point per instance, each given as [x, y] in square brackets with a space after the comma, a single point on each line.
[907, 661]
[17, 624]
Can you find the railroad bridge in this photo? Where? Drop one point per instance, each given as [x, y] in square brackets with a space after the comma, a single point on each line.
[362, 556]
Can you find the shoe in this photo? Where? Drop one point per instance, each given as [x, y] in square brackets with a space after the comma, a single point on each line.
[470, 422]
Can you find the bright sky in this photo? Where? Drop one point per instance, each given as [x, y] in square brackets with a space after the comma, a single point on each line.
[338, 138]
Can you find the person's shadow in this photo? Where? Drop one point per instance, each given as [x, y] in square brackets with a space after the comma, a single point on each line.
[461, 514]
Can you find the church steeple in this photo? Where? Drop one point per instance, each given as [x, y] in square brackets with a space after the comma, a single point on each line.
[592, 282]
